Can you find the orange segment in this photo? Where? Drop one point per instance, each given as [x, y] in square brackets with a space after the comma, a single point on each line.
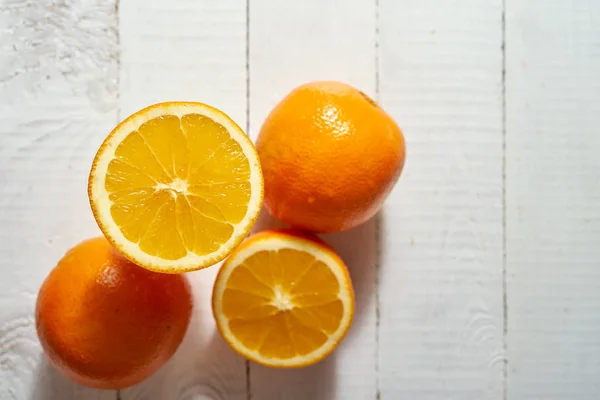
[176, 186]
[283, 299]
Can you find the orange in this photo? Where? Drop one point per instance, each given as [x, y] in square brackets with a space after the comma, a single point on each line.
[107, 323]
[330, 156]
[283, 299]
[176, 186]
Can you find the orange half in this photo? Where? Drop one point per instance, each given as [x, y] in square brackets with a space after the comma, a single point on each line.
[283, 299]
[176, 186]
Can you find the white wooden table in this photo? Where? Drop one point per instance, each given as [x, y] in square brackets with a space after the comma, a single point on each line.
[481, 277]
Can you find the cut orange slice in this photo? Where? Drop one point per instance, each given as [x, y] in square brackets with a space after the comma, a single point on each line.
[283, 299]
[176, 186]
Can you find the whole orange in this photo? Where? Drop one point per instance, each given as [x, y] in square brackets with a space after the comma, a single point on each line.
[330, 156]
[106, 323]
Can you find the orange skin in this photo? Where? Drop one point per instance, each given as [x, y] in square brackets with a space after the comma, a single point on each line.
[330, 157]
[106, 323]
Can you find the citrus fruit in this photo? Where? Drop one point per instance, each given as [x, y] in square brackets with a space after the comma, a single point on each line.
[283, 299]
[176, 186]
[330, 156]
[107, 323]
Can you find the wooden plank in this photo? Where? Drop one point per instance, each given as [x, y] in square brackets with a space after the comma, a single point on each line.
[553, 198]
[292, 43]
[440, 284]
[188, 50]
[58, 101]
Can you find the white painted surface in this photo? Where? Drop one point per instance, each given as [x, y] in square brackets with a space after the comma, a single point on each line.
[58, 69]
[69, 70]
[441, 320]
[553, 199]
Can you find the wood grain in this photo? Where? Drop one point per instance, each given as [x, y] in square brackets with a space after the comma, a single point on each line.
[188, 50]
[58, 98]
[553, 199]
[428, 272]
[440, 281]
[292, 43]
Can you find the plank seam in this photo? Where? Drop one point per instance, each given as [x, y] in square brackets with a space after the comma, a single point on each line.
[247, 362]
[118, 85]
[248, 385]
[504, 257]
[118, 58]
[377, 218]
[377, 49]
[248, 67]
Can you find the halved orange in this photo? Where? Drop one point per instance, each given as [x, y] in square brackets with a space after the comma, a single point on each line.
[176, 186]
[283, 299]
